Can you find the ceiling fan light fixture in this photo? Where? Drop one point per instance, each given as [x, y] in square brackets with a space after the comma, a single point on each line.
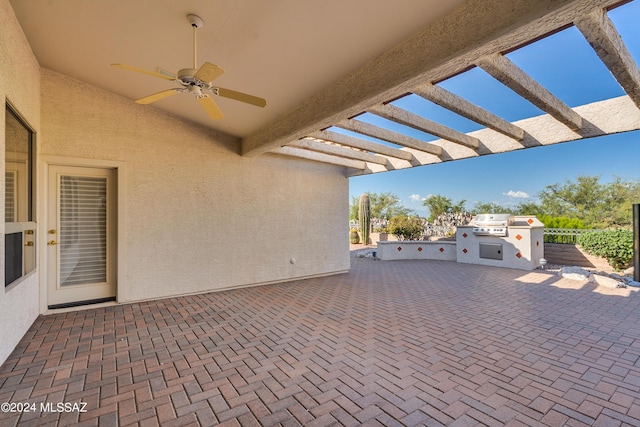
[195, 91]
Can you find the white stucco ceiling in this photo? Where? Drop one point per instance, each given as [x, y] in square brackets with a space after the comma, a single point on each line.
[281, 50]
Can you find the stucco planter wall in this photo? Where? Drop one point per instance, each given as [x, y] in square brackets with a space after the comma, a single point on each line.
[438, 250]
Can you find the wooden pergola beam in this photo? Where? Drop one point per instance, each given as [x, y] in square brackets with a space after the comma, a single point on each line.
[407, 118]
[507, 73]
[320, 157]
[603, 37]
[461, 106]
[336, 150]
[362, 144]
[389, 136]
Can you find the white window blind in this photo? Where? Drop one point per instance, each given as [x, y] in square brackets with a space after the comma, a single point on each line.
[83, 230]
[10, 196]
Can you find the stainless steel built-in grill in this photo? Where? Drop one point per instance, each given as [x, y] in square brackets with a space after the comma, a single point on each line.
[492, 224]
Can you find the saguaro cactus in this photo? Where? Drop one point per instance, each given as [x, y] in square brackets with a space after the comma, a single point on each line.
[364, 217]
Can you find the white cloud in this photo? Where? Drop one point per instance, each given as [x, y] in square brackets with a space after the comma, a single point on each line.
[516, 194]
[416, 198]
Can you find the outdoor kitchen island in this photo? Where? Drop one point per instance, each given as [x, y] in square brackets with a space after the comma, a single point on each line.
[501, 240]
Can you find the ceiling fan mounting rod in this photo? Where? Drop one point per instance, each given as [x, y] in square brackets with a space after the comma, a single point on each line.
[196, 22]
[195, 61]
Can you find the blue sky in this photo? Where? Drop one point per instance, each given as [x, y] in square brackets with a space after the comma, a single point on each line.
[566, 65]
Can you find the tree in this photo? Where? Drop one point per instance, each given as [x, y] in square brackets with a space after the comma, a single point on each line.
[353, 208]
[621, 195]
[580, 199]
[490, 207]
[597, 205]
[522, 208]
[439, 204]
[528, 208]
[386, 206]
[383, 206]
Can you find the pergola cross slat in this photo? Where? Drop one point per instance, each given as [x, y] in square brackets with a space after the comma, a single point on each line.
[507, 73]
[389, 136]
[336, 150]
[321, 157]
[407, 118]
[362, 144]
[464, 108]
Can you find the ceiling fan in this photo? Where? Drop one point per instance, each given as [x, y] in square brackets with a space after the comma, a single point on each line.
[196, 81]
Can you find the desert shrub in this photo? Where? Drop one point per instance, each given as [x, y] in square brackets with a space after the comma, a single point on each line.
[380, 229]
[616, 246]
[406, 228]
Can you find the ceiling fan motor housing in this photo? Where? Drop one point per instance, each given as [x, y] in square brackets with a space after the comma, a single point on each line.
[186, 77]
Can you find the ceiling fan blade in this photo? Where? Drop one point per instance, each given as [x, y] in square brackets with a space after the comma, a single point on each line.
[166, 73]
[210, 107]
[142, 70]
[239, 96]
[208, 72]
[158, 96]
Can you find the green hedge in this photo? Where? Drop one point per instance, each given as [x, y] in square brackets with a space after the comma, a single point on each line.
[616, 246]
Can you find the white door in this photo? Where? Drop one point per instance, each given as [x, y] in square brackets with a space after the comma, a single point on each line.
[81, 236]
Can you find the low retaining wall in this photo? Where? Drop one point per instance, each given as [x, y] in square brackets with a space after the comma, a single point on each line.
[554, 253]
[412, 249]
[567, 254]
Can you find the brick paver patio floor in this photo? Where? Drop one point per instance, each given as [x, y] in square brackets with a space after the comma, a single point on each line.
[391, 343]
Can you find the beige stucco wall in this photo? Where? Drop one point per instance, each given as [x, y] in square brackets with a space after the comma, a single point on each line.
[198, 216]
[20, 86]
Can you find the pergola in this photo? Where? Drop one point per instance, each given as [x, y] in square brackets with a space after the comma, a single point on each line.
[431, 56]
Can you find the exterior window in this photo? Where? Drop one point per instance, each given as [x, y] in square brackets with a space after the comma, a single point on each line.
[18, 201]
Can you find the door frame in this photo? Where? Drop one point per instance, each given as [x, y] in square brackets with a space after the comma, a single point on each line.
[43, 197]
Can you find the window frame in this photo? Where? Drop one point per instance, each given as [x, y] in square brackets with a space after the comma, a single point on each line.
[26, 225]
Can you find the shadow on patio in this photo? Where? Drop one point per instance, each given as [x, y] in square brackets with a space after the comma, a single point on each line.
[391, 343]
